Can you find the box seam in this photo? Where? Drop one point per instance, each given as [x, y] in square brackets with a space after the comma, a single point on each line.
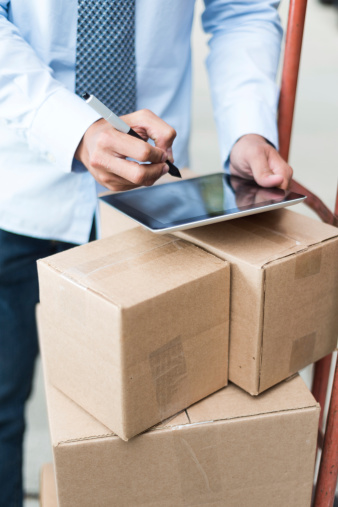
[261, 340]
[306, 248]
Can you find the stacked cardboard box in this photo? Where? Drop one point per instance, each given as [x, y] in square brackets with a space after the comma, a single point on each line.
[227, 450]
[284, 293]
[135, 329]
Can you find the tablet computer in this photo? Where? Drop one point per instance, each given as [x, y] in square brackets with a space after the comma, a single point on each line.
[199, 201]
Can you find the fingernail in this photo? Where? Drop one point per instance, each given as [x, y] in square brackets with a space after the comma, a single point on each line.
[170, 154]
[165, 169]
[164, 157]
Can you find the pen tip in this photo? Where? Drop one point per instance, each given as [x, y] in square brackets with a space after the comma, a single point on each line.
[173, 170]
[85, 96]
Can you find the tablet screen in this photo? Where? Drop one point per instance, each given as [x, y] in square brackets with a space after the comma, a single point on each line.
[187, 202]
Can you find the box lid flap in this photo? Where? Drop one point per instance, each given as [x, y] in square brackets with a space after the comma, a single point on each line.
[134, 266]
[268, 236]
[232, 402]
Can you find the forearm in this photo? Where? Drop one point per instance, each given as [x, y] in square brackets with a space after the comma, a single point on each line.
[51, 118]
[242, 66]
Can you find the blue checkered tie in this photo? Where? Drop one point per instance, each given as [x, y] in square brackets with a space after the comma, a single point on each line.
[105, 53]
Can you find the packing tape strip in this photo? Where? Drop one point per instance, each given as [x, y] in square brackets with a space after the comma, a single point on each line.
[169, 374]
[308, 263]
[263, 232]
[99, 268]
[302, 352]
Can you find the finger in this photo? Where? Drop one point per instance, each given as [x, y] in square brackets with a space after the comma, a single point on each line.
[169, 152]
[138, 174]
[262, 173]
[279, 166]
[157, 129]
[118, 184]
[128, 146]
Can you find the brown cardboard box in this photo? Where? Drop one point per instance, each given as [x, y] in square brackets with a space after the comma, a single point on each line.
[284, 293]
[47, 487]
[135, 327]
[228, 450]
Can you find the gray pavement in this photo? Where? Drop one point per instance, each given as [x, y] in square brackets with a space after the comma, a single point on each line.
[314, 155]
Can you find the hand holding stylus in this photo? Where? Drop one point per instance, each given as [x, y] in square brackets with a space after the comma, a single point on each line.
[104, 151]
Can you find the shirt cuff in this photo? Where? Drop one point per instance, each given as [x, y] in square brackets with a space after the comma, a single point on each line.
[58, 128]
[245, 117]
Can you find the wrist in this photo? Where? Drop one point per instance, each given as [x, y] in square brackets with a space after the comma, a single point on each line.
[82, 153]
[252, 138]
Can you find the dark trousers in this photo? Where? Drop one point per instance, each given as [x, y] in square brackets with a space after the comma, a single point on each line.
[19, 294]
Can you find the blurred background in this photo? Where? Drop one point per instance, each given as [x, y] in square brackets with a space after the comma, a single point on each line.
[313, 156]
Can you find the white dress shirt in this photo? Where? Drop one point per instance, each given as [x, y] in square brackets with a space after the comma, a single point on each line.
[45, 193]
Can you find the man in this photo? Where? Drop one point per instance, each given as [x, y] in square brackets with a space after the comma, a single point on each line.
[54, 147]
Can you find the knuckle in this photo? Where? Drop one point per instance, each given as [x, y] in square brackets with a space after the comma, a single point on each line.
[146, 112]
[95, 160]
[105, 178]
[105, 139]
[100, 143]
[172, 133]
[138, 176]
[149, 183]
[144, 153]
[102, 178]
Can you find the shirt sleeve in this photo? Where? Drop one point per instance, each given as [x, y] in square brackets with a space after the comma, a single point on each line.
[51, 118]
[242, 65]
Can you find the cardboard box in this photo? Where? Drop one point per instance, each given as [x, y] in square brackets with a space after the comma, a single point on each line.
[48, 496]
[135, 327]
[230, 449]
[284, 293]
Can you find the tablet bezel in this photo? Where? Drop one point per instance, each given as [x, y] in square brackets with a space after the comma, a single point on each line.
[157, 227]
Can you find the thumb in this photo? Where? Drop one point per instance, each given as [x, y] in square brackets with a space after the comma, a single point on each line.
[262, 173]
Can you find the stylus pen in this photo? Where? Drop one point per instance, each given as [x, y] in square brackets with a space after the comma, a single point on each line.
[120, 125]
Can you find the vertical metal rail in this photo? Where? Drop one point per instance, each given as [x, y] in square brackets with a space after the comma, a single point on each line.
[328, 471]
[293, 47]
[320, 384]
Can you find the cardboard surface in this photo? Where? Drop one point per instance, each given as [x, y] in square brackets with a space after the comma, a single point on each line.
[135, 327]
[229, 449]
[48, 496]
[284, 293]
